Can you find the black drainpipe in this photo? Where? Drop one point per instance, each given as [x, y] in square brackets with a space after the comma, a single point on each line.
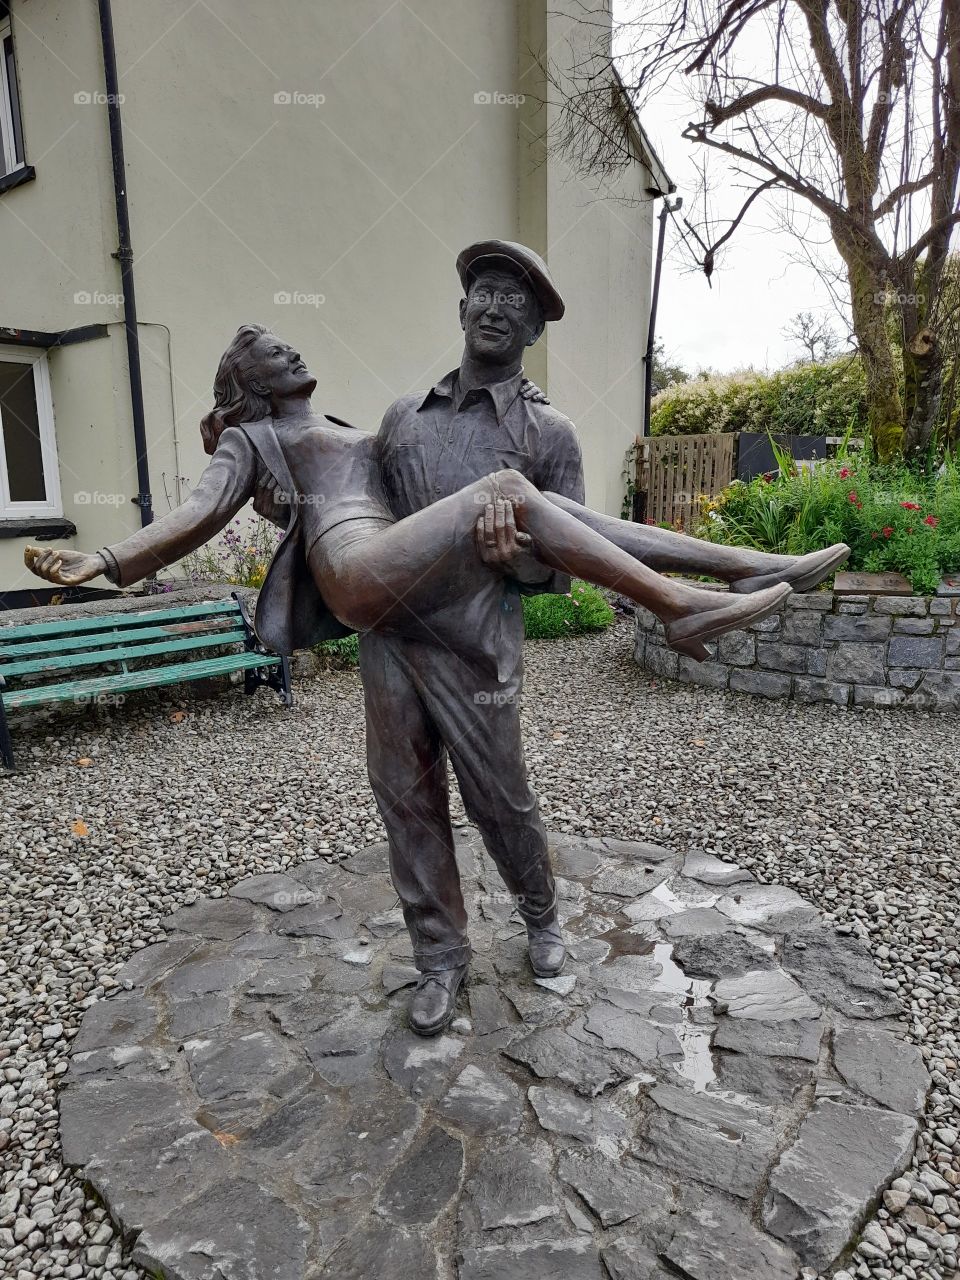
[665, 209]
[124, 256]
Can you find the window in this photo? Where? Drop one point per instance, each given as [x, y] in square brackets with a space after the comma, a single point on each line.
[11, 133]
[29, 481]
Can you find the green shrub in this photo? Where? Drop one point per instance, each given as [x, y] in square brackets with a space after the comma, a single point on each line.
[548, 617]
[810, 399]
[897, 518]
[339, 655]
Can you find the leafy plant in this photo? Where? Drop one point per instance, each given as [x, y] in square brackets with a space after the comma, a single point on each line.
[583, 609]
[339, 655]
[899, 517]
[807, 399]
[241, 557]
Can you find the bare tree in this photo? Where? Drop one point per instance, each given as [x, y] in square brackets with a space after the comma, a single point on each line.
[815, 335]
[849, 106]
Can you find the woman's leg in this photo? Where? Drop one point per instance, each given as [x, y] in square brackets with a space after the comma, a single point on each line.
[669, 552]
[429, 560]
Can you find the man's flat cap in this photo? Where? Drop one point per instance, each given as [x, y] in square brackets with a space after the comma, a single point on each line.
[514, 258]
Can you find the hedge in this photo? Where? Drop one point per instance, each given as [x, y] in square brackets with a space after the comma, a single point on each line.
[810, 399]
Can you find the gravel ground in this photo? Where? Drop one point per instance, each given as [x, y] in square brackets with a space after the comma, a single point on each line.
[121, 816]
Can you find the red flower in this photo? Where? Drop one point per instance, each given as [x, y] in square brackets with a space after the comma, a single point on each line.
[932, 521]
[769, 477]
[887, 530]
[845, 472]
[910, 506]
[853, 497]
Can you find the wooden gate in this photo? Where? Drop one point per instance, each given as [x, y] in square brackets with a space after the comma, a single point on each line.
[678, 472]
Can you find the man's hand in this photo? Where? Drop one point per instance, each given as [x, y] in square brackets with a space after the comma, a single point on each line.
[504, 547]
[272, 503]
[65, 568]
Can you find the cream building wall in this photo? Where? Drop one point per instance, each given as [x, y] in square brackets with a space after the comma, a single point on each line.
[315, 167]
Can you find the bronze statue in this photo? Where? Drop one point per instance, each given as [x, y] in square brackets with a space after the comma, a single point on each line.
[422, 539]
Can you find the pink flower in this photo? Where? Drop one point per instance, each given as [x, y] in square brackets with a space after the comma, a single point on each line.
[910, 506]
[845, 473]
[932, 521]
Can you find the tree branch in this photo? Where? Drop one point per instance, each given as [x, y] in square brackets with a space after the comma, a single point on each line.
[774, 93]
[932, 232]
[890, 202]
[830, 208]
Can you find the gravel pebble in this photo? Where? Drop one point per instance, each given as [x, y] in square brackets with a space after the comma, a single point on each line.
[855, 811]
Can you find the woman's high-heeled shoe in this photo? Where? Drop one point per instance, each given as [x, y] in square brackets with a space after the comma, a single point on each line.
[805, 572]
[689, 633]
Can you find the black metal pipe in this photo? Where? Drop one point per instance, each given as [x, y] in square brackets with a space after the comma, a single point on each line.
[666, 208]
[124, 256]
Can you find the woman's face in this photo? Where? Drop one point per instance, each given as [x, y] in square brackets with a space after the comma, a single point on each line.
[276, 370]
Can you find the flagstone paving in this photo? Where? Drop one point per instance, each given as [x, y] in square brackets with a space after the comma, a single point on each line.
[715, 1087]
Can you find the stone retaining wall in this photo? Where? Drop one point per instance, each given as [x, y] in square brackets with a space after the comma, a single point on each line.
[851, 650]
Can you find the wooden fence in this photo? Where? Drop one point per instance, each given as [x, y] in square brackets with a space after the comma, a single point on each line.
[677, 472]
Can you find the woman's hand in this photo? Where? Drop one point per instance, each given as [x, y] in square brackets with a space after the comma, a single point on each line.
[530, 391]
[66, 568]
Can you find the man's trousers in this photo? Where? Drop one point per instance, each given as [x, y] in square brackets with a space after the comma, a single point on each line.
[423, 704]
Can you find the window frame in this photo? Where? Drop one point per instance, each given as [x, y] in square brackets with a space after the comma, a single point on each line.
[11, 121]
[53, 505]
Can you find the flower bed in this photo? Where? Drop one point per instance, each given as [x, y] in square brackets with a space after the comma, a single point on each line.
[850, 650]
[894, 519]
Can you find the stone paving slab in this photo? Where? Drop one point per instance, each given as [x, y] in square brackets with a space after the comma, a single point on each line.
[715, 1087]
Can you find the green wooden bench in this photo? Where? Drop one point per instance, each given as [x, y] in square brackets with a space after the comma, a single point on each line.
[125, 647]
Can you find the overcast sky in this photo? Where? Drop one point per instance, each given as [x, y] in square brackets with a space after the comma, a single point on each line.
[758, 288]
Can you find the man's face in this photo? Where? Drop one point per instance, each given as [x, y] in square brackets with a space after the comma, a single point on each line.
[276, 369]
[500, 316]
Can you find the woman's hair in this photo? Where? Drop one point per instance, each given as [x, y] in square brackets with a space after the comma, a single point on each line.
[235, 400]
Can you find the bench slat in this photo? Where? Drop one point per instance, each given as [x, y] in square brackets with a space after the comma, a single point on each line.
[131, 680]
[111, 621]
[104, 639]
[68, 661]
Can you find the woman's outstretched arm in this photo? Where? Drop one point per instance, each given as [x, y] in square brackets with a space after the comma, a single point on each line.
[226, 485]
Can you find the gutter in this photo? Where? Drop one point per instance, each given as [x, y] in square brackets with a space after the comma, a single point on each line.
[41, 338]
[124, 256]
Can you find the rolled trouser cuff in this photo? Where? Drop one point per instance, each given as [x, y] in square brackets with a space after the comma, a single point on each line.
[435, 961]
[546, 915]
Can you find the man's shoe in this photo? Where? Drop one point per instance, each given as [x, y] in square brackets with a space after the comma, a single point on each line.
[547, 949]
[435, 1000]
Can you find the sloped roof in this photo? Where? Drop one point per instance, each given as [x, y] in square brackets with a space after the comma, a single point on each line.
[664, 184]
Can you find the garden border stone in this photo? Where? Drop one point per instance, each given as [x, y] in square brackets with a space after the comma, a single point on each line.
[848, 650]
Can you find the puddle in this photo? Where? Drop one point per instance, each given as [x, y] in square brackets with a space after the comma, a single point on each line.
[694, 1036]
[663, 901]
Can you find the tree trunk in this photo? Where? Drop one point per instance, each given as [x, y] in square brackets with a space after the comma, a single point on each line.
[923, 389]
[885, 416]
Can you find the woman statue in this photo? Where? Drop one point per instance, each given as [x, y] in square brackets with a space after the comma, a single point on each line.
[374, 572]
[371, 571]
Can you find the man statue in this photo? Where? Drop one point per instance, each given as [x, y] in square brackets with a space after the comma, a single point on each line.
[425, 702]
[428, 700]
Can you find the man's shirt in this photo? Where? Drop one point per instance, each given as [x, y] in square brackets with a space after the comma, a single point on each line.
[434, 444]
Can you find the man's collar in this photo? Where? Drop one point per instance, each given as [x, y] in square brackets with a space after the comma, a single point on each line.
[503, 394]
